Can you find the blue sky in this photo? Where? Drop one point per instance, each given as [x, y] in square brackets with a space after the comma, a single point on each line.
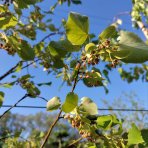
[101, 14]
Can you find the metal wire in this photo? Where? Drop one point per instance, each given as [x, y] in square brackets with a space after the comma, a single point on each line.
[103, 109]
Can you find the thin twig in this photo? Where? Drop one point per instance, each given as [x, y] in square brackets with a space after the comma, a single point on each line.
[75, 142]
[50, 129]
[59, 114]
[51, 34]
[10, 71]
[26, 95]
[43, 98]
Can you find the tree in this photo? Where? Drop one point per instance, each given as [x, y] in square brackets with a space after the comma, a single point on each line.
[114, 48]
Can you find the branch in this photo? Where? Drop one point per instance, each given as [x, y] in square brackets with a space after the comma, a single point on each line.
[58, 116]
[43, 98]
[50, 129]
[143, 28]
[76, 141]
[10, 71]
[51, 34]
[25, 96]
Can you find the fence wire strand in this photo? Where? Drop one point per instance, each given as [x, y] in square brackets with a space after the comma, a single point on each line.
[101, 109]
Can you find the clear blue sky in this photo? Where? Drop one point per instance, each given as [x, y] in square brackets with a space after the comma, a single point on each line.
[100, 13]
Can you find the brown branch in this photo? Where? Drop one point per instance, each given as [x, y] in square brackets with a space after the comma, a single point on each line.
[75, 142]
[50, 129]
[59, 114]
[25, 96]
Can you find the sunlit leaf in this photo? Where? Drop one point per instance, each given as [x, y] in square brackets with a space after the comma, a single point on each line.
[70, 103]
[109, 32]
[88, 106]
[53, 104]
[131, 48]
[77, 28]
[134, 135]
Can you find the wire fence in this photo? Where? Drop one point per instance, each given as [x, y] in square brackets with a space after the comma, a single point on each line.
[103, 109]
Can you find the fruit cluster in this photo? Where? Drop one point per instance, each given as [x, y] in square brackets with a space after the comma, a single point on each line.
[76, 122]
[92, 57]
[32, 90]
[8, 48]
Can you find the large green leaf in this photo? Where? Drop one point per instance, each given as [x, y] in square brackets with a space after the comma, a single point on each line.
[1, 98]
[88, 106]
[134, 135]
[77, 28]
[131, 48]
[70, 103]
[53, 104]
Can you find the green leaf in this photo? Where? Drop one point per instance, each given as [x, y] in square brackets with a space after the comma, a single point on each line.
[47, 83]
[23, 49]
[77, 28]
[8, 85]
[77, 2]
[52, 28]
[105, 121]
[109, 32]
[28, 31]
[88, 106]
[131, 48]
[70, 103]
[58, 63]
[55, 50]
[134, 135]
[63, 45]
[53, 104]
[8, 22]
[89, 47]
[1, 98]
[144, 133]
